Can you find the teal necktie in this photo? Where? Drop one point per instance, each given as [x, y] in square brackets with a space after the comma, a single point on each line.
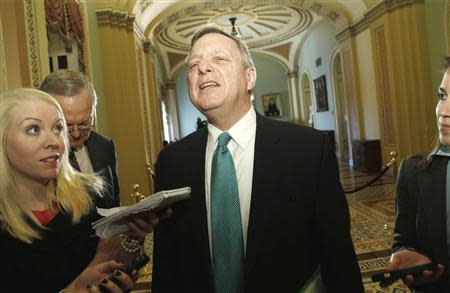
[226, 226]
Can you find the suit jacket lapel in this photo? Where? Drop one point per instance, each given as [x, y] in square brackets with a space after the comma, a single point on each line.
[93, 156]
[265, 141]
[432, 191]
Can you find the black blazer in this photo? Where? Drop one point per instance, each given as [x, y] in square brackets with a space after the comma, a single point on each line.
[420, 208]
[298, 218]
[47, 265]
[102, 154]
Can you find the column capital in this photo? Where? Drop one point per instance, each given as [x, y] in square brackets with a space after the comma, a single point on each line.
[170, 85]
[146, 45]
[292, 73]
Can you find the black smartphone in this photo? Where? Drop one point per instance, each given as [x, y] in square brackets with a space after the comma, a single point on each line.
[397, 274]
[135, 264]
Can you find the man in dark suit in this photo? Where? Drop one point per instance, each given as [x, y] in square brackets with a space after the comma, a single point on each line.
[292, 218]
[90, 151]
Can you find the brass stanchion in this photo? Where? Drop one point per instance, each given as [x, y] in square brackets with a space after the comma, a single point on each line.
[148, 242]
[393, 163]
[148, 167]
[136, 194]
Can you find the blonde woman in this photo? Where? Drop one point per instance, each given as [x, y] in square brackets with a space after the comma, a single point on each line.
[46, 210]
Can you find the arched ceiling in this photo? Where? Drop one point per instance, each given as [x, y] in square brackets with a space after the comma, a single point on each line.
[275, 27]
[257, 25]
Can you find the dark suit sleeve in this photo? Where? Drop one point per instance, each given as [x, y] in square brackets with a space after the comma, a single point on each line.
[102, 154]
[405, 236]
[164, 254]
[115, 179]
[339, 267]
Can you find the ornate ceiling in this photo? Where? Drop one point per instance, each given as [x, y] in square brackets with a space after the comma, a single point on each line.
[273, 27]
[258, 25]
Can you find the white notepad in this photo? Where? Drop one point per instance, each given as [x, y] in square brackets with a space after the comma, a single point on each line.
[115, 221]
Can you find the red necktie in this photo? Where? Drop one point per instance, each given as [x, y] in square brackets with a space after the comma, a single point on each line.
[73, 160]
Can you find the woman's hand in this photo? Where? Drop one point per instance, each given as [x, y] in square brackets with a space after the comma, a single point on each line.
[106, 275]
[143, 223]
[407, 258]
[140, 225]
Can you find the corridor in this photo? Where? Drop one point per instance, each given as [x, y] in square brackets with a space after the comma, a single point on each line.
[372, 214]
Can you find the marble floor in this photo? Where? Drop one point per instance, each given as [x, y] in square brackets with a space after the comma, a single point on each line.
[372, 219]
[372, 215]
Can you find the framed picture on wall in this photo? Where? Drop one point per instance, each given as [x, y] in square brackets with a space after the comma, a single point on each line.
[272, 105]
[320, 87]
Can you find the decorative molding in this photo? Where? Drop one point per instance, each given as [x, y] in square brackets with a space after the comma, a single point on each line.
[146, 46]
[316, 7]
[86, 43]
[32, 42]
[115, 18]
[378, 10]
[129, 23]
[144, 4]
[139, 33]
[333, 15]
[174, 30]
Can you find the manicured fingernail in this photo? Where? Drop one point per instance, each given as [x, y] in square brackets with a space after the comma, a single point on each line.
[117, 273]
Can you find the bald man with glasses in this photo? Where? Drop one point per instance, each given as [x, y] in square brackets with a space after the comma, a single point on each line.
[90, 151]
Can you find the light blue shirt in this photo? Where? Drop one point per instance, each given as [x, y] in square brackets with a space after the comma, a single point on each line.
[445, 151]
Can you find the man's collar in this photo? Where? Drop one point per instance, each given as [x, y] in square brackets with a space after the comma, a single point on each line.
[77, 149]
[444, 150]
[239, 131]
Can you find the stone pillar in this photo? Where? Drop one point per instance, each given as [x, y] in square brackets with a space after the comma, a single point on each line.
[172, 110]
[153, 103]
[123, 100]
[298, 111]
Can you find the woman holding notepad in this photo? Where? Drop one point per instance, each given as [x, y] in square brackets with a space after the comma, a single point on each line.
[46, 240]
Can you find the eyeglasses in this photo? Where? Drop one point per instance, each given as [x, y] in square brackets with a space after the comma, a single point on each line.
[82, 127]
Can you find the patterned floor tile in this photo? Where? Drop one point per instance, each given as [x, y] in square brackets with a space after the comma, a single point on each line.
[372, 215]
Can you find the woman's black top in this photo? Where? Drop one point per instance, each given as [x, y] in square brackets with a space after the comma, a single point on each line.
[49, 264]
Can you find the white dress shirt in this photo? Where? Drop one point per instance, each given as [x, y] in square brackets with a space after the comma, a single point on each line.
[83, 160]
[242, 149]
